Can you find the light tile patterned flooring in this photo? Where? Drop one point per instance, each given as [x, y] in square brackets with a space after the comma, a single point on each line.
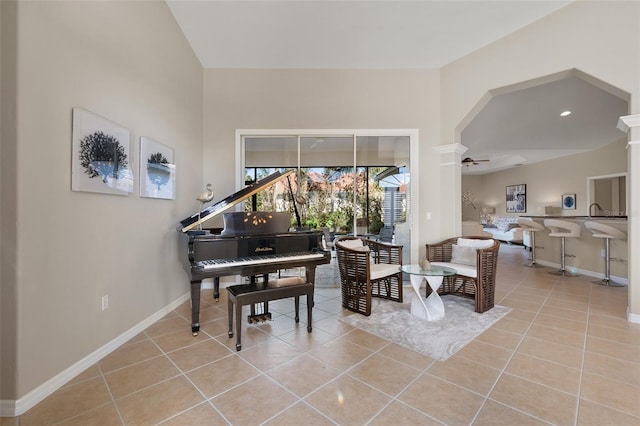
[565, 355]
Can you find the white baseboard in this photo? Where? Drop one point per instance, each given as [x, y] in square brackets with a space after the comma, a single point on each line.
[634, 318]
[13, 408]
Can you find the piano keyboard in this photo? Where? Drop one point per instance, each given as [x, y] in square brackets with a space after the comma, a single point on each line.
[256, 260]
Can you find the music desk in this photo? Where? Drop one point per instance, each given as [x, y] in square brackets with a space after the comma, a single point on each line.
[431, 309]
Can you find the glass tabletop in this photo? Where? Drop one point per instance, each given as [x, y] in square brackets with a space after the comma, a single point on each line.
[434, 271]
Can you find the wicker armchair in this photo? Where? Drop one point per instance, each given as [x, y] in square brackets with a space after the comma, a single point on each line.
[368, 269]
[477, 282]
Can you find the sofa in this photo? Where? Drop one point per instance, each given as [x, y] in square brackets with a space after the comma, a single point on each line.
[473, 229]
[505, 228]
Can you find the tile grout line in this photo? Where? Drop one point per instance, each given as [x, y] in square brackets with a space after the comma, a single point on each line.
[113, 397]
[515, 350]
[584, 352]
[184, 374]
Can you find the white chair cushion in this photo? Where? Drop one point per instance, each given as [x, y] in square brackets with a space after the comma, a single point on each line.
[472, 242]
[379, 270]
[466, 270]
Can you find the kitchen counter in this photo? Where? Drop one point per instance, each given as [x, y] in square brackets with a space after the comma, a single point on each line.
[584, 254]
[579, 217]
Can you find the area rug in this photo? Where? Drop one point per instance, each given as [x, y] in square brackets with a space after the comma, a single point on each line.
[437, 339]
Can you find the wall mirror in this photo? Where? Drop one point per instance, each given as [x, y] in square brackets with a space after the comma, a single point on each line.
[607, 195]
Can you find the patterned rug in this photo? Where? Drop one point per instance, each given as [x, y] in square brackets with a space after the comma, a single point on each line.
[437, 339]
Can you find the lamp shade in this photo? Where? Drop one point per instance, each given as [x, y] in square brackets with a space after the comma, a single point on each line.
[550, 210]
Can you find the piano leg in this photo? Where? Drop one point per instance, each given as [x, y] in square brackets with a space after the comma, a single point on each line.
[310, 274]
[309, 309]
[216, 289]
[238, 326]
[195, 306]
[230, 315]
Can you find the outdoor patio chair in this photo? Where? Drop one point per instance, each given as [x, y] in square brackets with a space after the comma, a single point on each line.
[386, 234]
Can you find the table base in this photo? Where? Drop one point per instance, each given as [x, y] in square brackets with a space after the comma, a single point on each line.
[431, 308]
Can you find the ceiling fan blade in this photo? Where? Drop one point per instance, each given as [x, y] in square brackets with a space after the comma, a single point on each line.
[469, 161]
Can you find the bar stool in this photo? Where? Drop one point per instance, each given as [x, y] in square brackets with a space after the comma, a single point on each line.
[531, 226]
[600, 230]
[562, 229]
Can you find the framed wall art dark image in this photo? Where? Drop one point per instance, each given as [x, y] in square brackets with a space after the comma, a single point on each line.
[516, 199]
[101, 155]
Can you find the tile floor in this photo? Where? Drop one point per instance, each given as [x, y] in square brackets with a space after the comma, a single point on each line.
[565, 355]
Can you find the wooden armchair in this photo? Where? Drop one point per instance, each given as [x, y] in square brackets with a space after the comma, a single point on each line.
[368, 269]
[475, 278]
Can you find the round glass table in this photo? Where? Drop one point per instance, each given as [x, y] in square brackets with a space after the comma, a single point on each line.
[431, 308]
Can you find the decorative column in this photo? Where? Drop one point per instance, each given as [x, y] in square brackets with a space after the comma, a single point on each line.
[631, 125]
[450, 171]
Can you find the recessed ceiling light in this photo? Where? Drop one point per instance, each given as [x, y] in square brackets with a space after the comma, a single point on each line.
[565, 113]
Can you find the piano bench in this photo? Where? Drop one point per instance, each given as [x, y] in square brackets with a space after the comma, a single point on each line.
[249, 294]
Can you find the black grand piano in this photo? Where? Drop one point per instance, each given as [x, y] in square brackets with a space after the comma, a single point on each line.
[251, 244]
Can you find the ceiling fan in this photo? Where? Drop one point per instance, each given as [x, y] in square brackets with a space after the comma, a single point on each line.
[470, 161]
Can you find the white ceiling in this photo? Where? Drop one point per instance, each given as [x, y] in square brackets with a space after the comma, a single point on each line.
[525, 127]
[348, 34]
[517, 127]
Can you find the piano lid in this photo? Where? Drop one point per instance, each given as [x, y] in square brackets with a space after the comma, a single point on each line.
[233, 199]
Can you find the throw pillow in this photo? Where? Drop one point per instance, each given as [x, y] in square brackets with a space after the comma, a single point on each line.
[463, 255]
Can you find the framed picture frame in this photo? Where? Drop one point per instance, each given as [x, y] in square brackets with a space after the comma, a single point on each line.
[157, 170]
[516, 199]
[569, 201]
[101, 155]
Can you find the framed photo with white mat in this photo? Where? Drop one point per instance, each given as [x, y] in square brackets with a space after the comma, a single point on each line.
[157, 170]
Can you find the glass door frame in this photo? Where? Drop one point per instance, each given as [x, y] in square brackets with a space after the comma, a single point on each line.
[412, 134]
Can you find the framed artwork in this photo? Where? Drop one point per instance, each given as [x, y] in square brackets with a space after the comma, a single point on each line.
[157, 170]
[516, 199]
[101, 155]
[569, 201]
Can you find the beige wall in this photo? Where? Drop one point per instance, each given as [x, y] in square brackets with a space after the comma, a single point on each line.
[598, 38]
[322, 99]
[547, 181]
[601, 39]
[8, 305]
[129, 62]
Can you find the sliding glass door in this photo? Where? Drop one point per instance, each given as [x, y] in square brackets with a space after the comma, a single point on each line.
[347, 183]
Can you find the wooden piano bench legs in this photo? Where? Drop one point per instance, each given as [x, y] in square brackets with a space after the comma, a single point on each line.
[249, 294]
